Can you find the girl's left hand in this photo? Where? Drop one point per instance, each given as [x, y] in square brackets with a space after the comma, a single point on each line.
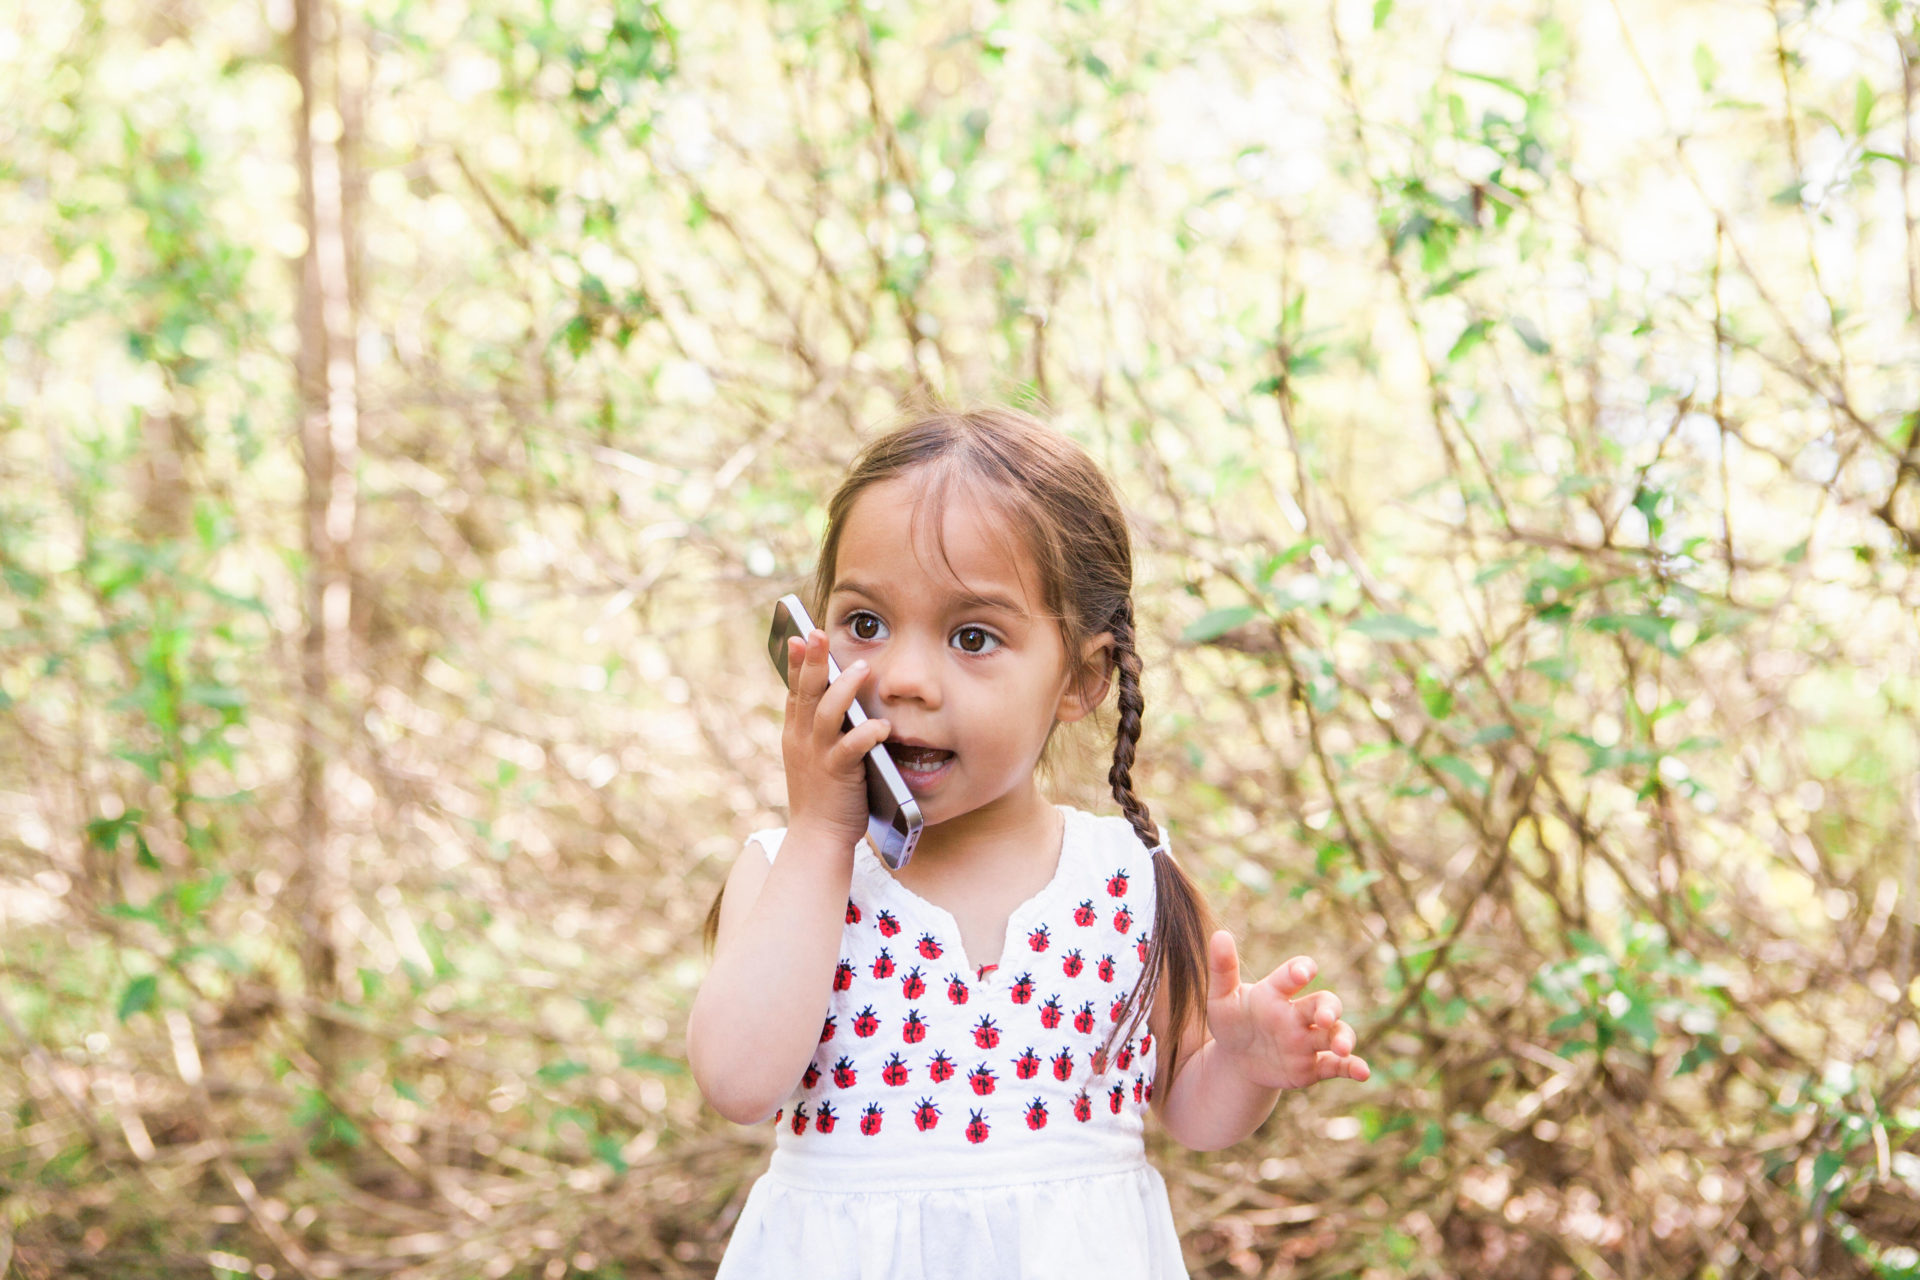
[1274, 1037]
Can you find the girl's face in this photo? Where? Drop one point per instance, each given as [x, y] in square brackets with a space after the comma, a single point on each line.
[966, 666]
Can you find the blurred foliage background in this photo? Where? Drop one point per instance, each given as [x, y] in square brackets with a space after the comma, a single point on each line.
[409, 408]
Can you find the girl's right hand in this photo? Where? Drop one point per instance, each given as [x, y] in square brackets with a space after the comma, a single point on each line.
[826, 763]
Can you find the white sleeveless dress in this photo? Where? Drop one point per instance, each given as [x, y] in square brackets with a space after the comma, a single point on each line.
[951, 1123]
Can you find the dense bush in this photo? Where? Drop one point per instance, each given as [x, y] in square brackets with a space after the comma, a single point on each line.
[408, 411]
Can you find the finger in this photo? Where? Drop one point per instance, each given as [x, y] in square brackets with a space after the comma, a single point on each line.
[1342, 1039]
[1292, 976]
[856, 742]
[1321, 1007]
[1223, 966]
[831, 712]
[796, 654]
[1340, 1066]
[810, 677]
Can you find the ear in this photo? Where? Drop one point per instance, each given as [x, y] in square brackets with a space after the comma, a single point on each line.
[1088, 681]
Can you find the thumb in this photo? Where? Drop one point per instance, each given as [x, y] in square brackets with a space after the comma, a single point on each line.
[1223, 966]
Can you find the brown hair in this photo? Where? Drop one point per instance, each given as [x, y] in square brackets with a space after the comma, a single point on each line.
[1072, 525]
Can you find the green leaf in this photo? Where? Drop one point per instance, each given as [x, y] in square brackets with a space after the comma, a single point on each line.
[195, 896]
[1353, 881]
[1382, 9]
[1706, 68]
[1470, 337]
[1459, 770]
[1531, 335]
[1444, 287]
[1863, 100]
[608, 1151]
[1391, 626]
[560, 1072]
[139, 995]
[1217, 622]
[1825, 1166]
[634, 1059]
[1691, 1060]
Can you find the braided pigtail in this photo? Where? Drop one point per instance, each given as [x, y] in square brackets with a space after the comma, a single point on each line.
[1177, 950]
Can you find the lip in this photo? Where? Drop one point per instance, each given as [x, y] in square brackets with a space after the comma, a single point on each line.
[921, 780]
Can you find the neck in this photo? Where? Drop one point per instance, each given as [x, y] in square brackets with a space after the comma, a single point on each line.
[1011, 824]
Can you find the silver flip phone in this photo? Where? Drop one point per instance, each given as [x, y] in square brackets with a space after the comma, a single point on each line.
[893, 815]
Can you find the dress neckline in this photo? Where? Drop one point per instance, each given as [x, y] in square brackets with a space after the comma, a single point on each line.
[1017, 919]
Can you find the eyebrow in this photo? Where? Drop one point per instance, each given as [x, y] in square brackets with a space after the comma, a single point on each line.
[972, 598]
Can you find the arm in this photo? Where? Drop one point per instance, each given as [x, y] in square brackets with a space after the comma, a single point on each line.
[756, 1019]
[1258, 1039]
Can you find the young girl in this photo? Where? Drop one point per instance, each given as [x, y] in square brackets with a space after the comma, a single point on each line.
[958, 1055]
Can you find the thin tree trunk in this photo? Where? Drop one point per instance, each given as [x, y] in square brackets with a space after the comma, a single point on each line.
[329, 442]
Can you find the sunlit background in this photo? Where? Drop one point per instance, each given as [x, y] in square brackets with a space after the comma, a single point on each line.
[409, 411]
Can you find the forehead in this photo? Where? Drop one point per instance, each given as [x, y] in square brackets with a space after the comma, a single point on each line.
[954, 539]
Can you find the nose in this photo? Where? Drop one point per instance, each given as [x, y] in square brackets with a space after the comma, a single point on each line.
[907, 671]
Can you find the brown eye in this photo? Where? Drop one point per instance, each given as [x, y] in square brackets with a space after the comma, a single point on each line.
[864, 626]
[974, 640]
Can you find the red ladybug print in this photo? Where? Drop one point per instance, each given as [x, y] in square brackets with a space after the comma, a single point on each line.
[940, 1068]
[1105, 969]
[1050, 1013]
[1117, 884]
[1038, 939]
[1116, 1096]
[826, 1030]
[1119, 1008]
[982, 1079]
[1083, 915]
[1147, 1095]
[1022, 988]
[865, 1024]
[1137, 1082]
[1082, 1107]
[977, 1129]
[1063, 1065]
[1140, 945]
[870, 1119]
[824, 1120]
[896, 1071]
[915, 1030]
[956, 989]
[853, 912]
[799, 1118]
[985, 1034]
[1125, 1059]
[1027, 1065]
[843, 1073]
[888, 925]
[913, 985]
[1082, 1021]
[925, 1115]
[928, 947]
[1037, 1115]
[776, 1117]
[1146, 1044]
[883, 964]
[843, 976]
[1072, 964]
[1122, 920]
[810, 1077]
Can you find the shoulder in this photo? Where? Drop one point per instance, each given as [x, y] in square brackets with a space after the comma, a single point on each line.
[1113, 843]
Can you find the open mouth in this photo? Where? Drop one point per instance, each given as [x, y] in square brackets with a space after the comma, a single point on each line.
[919, 765]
